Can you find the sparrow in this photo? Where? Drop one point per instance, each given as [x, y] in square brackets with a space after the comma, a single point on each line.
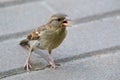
[46, 37]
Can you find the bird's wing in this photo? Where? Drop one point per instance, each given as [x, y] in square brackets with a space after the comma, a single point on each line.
[34, 35]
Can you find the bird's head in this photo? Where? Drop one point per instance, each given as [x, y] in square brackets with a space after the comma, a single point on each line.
[59, 21]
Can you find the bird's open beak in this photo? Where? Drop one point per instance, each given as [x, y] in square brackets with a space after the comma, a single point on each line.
[66, 22]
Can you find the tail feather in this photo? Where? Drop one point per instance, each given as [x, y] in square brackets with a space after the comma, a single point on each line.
[25, 43]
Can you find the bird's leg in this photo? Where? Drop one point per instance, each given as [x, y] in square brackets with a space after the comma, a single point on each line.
[51, 62]
[27, 65]
[27, 47]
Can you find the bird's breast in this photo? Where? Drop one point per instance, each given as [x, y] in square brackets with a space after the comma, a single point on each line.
[51, 40]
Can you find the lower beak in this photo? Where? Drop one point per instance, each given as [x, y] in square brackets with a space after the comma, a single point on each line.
[66, 24]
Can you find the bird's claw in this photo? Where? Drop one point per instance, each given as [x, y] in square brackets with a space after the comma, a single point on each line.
[52, 65]
[27, 66]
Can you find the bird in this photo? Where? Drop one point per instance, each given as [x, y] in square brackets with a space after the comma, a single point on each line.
[46, 37]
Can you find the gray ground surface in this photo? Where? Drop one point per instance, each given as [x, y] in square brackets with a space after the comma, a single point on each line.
[91, 50]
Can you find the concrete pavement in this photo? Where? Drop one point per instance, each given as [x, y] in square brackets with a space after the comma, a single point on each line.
[100, 67]
[90, 51]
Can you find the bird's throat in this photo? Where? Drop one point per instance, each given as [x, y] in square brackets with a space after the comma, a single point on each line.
[61, 30]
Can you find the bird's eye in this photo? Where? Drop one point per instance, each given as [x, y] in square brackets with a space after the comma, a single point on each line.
[59, 19]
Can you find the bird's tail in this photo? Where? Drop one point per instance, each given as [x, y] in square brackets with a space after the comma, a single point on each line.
[25, 43]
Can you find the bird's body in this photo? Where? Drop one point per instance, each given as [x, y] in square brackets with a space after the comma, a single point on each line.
[51, 39]
[46, 37]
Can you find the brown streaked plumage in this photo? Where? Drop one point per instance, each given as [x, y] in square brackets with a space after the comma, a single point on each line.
[46, 37]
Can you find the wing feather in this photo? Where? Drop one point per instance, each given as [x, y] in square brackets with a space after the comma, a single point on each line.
[35, 34]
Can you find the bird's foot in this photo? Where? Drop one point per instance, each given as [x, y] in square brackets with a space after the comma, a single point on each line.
[52, 64]
[56, 65]
[27, 66]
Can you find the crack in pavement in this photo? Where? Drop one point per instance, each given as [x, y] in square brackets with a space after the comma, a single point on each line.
[13, 35]
[21, 70]
[75, 22]
[63, 60]
[96, 17]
